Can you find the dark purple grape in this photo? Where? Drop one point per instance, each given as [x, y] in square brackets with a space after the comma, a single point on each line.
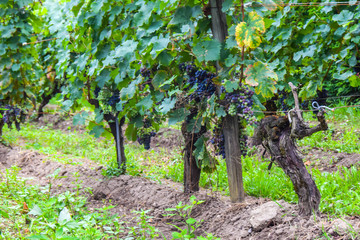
[113, 100]
[96, 91]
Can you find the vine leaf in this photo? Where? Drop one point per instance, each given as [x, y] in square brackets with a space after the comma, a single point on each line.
[208, 50]
[80, 118]
[203, 158]
[167, 105]
[343, 17]
[261, 77]
[248, 33]
[97, 130]
[178, 115]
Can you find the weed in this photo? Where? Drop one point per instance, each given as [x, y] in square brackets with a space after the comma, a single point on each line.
[184, 212]
[30, 212]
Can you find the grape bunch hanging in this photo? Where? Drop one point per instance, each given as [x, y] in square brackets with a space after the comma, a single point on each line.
[12, 114]
[202, 79]
[145, 134]
[107, 98]
[238, 103]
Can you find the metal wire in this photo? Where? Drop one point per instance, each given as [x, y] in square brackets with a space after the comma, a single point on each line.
[350, 106]
[307, 4]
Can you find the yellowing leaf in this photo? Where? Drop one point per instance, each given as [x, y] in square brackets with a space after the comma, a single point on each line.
[248, 33]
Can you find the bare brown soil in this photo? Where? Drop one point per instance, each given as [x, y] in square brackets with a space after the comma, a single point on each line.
[248, 220]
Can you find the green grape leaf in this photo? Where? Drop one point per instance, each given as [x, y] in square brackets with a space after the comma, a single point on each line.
[67, 104]
[230, 86]
[203, 158]
[167, 105]
[129, 46]
[220, 112]
[165, 58]
[64, 216]
[343, 76]
[248, 33]
[309, 90]
[177, 115]
[183, 15]
[264, 79]
[194, 125]
[130, 132]
[146, 102]
[226, 5]
[159, 78]
[97, 130]
[159, 44]
[103, 78]
[343, 17]
[80, 118]
[207, 50]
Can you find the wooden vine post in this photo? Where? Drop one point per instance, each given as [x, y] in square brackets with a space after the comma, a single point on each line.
[230, 123]
[278, 135]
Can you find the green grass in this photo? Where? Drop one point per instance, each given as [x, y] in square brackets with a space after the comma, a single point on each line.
[348, 141]
[340, 190]
[29, 211]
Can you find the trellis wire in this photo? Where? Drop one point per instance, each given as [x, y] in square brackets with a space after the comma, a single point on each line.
[307, 4]
[281, 111]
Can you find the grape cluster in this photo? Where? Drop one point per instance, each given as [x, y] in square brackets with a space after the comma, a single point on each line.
[240, 102]
[218, 140]
[146, 139]
[96, 91]
[114, 99]
[108, 98]
[146, 134]
[282, 97]
[145, 72]
[199, 78]
[304, 105]
[243, 142]
[12, 114]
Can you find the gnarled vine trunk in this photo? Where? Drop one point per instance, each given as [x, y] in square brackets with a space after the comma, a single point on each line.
[278, 137]
[192, 171]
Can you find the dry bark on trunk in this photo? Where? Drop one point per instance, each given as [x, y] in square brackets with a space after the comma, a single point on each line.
[278, 137]
[192, 171]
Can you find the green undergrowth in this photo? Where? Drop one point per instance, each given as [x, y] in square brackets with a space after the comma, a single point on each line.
[30, 212]
[339, 190]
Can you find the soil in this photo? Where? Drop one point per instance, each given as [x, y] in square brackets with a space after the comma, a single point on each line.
[221, 217]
